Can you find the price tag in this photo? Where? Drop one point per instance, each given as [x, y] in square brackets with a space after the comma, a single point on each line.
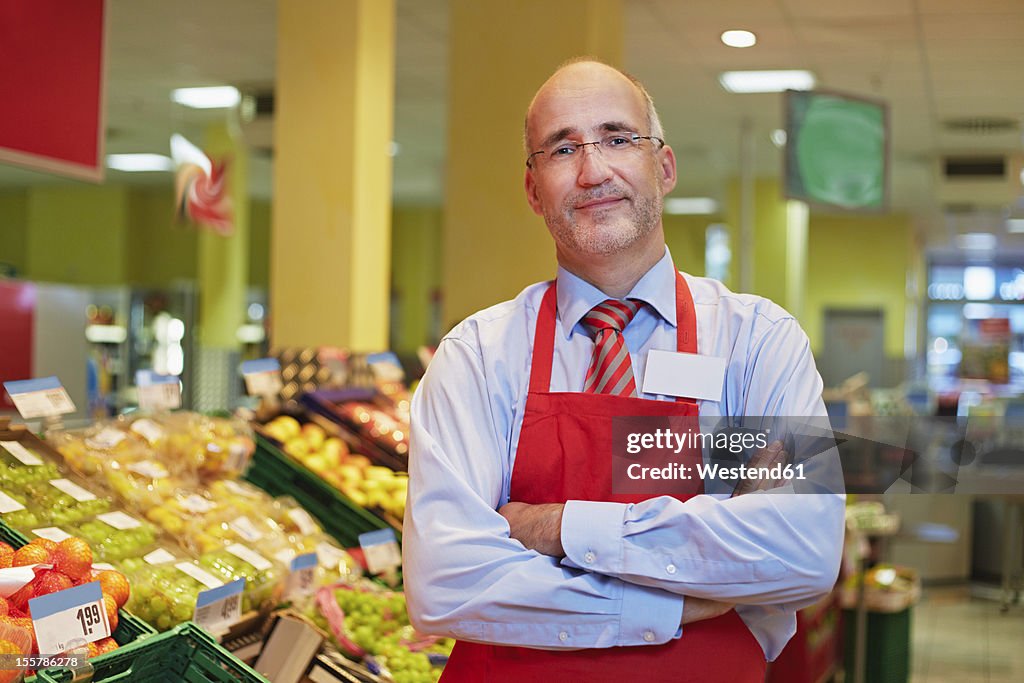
[106, 439]
[157, 392]
[261, 563]
[196, 504]
[386, 367]
[219, 608]
[302, 580]
[303, 520]
[43, 397]
[330, 556]
[21, 454]
[103, 566]
[262, 377]
[72, 489]
[69, 618]
[159, 556]
[119, 520]
[148, 468]
[244, 527]
[148, 430]
[8, 504]
[238, 489]
[380, 548]
[199, 574]
[52, 533]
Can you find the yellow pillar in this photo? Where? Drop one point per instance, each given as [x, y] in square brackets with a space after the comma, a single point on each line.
[493, 244]
[331, 224]
[416, 276]
[779, 250]
[223, 264]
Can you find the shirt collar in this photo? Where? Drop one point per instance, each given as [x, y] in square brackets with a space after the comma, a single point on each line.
[657, 288]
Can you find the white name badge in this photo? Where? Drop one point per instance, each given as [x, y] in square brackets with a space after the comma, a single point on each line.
[688, 375]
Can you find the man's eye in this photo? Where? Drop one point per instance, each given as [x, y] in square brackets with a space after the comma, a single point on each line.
[563, 150]
[617, 141]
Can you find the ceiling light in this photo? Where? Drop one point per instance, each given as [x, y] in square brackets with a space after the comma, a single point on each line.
[739, 38]
[778, 137]
[216, 97]
[766, 81]
[1015, 225]
[692, 206]
[139, 162]
[981, 241]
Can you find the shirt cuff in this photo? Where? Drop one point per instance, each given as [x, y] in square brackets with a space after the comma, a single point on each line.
[650, 616]
[592, 535]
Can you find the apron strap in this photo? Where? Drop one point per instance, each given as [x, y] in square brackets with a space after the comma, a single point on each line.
[544, 335]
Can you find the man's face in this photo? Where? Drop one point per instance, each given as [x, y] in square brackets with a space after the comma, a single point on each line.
[596, 203]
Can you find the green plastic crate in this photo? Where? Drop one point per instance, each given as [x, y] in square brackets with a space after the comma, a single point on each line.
[129, 627]
[887, 657]
[279, 475]
[185, 654]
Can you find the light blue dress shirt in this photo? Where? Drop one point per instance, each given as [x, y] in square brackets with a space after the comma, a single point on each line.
[627, 567]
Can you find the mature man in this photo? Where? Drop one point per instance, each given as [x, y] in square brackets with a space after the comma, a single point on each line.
[514, 541]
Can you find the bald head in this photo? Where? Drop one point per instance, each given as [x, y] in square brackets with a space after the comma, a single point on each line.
[579, 77]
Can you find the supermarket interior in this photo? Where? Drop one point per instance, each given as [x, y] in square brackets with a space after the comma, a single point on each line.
[233, 234]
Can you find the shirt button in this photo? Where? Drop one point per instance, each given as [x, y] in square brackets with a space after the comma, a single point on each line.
[649, 636]
[563, 636]
[589, 558]
[671, 569]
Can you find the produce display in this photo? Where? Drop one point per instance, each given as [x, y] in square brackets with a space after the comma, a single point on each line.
[62, 565]
[53, 502]
[165, 587]
[372, 624]
[366, 484]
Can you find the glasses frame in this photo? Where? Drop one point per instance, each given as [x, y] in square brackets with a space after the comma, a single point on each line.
[634, 137]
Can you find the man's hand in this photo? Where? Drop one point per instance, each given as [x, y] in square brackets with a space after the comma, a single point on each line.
[538, 527]
[769, 456]
[699, 609]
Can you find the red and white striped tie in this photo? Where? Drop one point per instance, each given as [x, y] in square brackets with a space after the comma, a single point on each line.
[611, 371]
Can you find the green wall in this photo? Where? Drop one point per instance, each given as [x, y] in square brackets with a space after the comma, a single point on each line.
[14, 229]
[159, 251]
[685, 238]
[259, 243]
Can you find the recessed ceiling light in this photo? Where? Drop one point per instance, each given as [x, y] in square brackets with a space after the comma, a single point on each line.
[216, 97]
[139, 162]
[739, 38]
[766, 81]
[693, 206]
[778, 137]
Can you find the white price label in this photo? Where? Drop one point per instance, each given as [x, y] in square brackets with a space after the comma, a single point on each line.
[380, 548]
[106, 439]
[238, 457]
[103, 566]
[219, 608]
[21, 454]
[249, 555]
[330, 556]
[69, 618]
[262, 377]
[52, 533]
[8, 504]
[148, 468]
[148, 430]
[159, 556]
[199, 574]
[119, 520]
[244, 527]
[157, 392]
[302, 579]
[285, 556]
[307, 525]
[72, 489]
[237, 488]
[44, 397]
[196, 504]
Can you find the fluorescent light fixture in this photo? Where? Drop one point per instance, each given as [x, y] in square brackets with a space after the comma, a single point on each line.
[981, 241]
[739, 38]
[1015, 225]
[766, 81]
[216, 97]
[105, 334]
[133, 163]
[690, 206]
[980, 283]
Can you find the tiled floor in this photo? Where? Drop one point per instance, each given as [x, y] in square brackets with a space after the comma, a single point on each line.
[960, 638]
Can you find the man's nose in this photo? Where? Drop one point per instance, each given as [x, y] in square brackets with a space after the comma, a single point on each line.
[594, 168]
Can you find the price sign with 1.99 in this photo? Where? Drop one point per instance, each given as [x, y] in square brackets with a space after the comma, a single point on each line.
[69, 618]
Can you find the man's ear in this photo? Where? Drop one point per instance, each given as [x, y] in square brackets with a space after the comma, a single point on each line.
[530, 183]
[667, 167]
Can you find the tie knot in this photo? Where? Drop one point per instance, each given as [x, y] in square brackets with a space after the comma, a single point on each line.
[610, 314]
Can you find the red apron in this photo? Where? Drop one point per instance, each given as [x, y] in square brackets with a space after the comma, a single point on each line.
[555, 462]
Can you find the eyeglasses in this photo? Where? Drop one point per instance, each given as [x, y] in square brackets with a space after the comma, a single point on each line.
[613, 145]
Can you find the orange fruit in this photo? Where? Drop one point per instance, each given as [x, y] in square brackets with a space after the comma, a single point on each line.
[111, 606]
[73, 557]
[4, 607]
[6, 555]
[115, 585]
[26, 623]
[30, 554]
[51, 581]
[93, 650]
[106, 645]
[44, 542]
[19, 599]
